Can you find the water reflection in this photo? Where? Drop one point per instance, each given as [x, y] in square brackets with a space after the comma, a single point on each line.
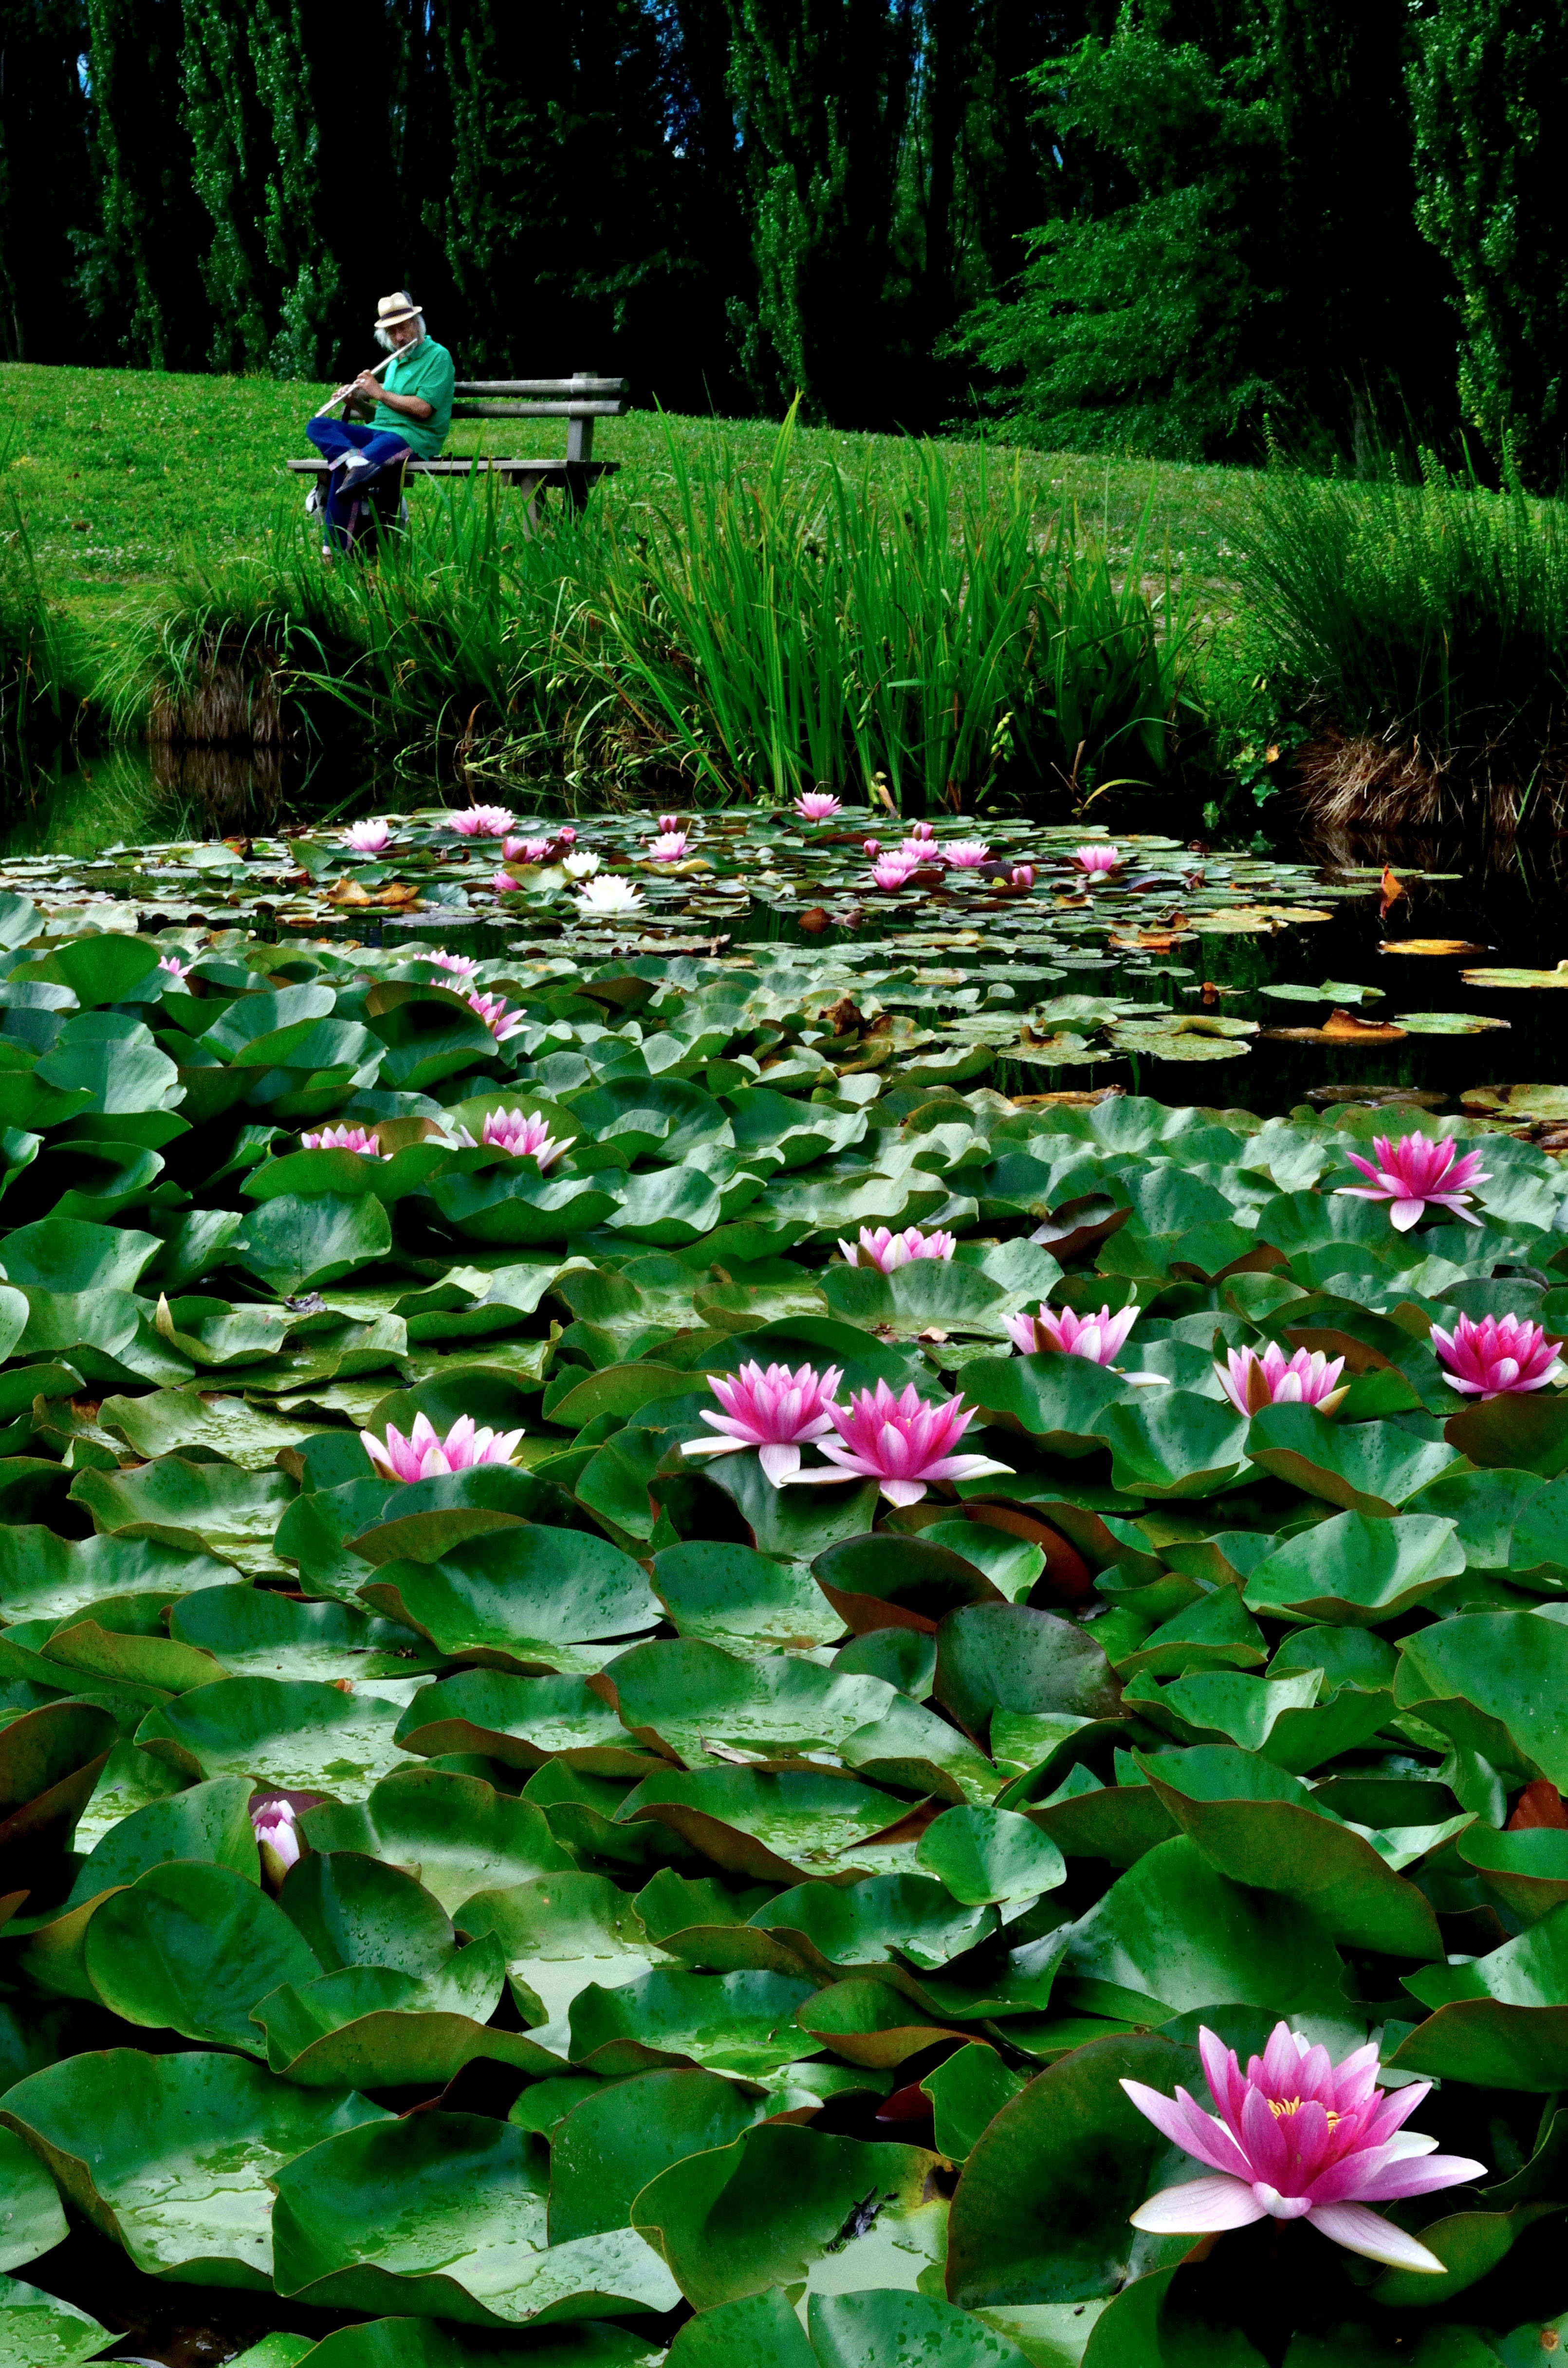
[161, 791]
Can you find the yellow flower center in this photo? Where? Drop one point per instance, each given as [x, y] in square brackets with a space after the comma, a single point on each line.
[1281, 2106]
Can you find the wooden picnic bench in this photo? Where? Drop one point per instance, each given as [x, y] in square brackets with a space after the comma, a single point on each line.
[579, 400]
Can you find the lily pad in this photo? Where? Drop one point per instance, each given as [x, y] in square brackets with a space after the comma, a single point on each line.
[446, 2215]
[172, 2154]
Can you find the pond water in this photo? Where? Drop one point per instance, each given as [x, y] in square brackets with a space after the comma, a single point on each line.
[1207, 935]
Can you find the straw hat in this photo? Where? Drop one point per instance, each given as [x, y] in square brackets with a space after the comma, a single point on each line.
[390, 309]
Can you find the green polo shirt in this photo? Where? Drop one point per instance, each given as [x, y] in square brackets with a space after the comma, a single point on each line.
[424, 369]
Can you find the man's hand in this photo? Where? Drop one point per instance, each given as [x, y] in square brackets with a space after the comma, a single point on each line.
[368, 386]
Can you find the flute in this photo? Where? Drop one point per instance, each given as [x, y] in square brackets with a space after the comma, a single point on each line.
[344, 392]
[376, 368]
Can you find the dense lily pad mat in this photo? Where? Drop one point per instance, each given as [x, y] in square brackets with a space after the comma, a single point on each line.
[762, 1891]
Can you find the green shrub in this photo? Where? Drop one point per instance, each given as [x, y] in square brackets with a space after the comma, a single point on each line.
[1433, 618]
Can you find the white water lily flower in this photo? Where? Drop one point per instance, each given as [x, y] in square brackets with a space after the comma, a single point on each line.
[609, 895]
[580, 865]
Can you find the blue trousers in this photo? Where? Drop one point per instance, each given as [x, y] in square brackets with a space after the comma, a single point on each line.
[337, 439]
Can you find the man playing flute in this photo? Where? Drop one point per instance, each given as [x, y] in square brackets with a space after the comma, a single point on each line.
[412, 413]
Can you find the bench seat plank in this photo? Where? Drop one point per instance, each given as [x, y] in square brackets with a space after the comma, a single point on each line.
[464, 464]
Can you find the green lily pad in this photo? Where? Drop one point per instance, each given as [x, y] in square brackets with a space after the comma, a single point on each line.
[32, 2221]
[199, 1508]
[990, 1854]
[38, 2330]
[292, 1734]
[454, 1832]
[192, 1949]
[560, 1932]
[785, 1828]
[609, 2147]
[1498, 2020]
[683, 1698]
[1260, 1827]
[728, 1595]
[526, 1598]
[743, 2217]
[524, 1723]
[1043, 2211]
[1172, 1933]
[446, 2215]
[1367, 1467]
[1496, 1683]
[1358, 1569]
[171, 2155]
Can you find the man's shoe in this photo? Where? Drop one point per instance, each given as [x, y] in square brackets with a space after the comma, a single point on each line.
[355, 461]
[313, 501]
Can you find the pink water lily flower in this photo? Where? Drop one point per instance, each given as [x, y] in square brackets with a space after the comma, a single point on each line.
[481, 822]
[1098, 1337]
[669, 822]
[1023, 875]
[276, 1827]
[525, 1136]
[873, 848]
[904, 1443]
[532, 851]
[1297, 2137]
[566, 834]
[173, 964]
[1095, 858]
[776, 1412]
[922, 830]
[817, 805]
[460, 965]
[670, 847]
[367, 837]
[497, 1015]
[343, 1138]
[504, 883]
[1417, 1169]
[886, 1252]
[1499, 1354]
[425, 1453]
[891, 873]
[965, 854]
[1252, 1382]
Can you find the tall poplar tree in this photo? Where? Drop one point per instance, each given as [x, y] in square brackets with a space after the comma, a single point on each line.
[560, 212]
[1489, 94]
[47, 184]
[825, 91]
[138, 272]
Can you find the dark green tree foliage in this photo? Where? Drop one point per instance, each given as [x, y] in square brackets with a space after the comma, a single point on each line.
[1147, 314]
[228, 129]
[1369, 316]
[823, 90]
[138, 270]
[1234, 236]
[257, 73]
[559, 216]
[1488, 94]
[47, 190]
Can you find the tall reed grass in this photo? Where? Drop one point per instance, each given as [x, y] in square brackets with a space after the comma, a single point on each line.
[750, 632]
[43, 676]
[1426, 626]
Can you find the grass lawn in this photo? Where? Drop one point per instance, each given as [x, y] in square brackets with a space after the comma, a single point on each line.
[121, 477]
